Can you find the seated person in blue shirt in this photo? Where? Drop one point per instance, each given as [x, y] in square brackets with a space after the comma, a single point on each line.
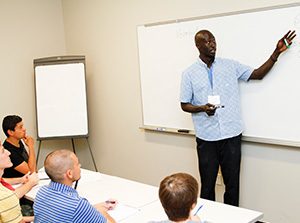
[178, 195]
[58, 201]
[23, 161]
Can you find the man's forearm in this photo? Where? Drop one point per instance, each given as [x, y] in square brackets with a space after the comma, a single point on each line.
[264, 69]
[13, 181]
[32, 160]
[188, 107]
[23, 189]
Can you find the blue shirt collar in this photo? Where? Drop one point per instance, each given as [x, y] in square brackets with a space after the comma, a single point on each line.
[201, 63]
[62, 188]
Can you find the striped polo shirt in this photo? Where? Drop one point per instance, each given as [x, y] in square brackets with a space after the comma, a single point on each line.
[57, 203]
[10, 210]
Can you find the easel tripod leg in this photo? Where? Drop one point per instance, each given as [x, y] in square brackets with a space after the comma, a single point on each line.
[92, 155]
[38, 153]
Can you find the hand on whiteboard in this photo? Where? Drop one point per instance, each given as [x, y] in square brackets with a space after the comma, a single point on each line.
[285, 42]
[210, 109]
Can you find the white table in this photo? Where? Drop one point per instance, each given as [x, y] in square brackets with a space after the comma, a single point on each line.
[128, 192]
[142, 200]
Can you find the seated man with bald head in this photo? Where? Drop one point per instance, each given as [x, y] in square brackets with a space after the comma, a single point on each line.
[58, 201]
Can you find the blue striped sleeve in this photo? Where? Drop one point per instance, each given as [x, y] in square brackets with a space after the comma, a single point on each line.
[85, 212]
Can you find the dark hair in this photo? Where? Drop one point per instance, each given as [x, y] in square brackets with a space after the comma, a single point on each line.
[177, 194]
[199, 35]
[10, 122]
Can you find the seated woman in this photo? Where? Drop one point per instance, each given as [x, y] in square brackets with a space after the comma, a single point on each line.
[178, 195]
[10, 210]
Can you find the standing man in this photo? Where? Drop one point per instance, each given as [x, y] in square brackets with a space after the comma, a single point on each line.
[23, 161]
[59, 202]
[209, 90]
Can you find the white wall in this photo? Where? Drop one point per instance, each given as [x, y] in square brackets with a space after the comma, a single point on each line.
[29, 29]
[105, 31]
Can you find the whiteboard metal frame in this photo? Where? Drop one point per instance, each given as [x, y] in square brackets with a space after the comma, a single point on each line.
[222, 14]
[244, 138]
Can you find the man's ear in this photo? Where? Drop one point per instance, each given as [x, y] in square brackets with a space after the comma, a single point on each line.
[69, 174]
[193, 206]
[10, 132]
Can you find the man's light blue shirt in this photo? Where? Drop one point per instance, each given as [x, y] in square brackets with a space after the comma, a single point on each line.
[196, 87]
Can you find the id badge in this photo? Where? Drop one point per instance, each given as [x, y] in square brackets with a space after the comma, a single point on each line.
[214, 99]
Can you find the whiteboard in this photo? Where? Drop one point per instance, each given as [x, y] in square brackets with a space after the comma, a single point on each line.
[61, 106]
[270, 107]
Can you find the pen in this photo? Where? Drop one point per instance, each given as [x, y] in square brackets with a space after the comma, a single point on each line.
[219, 106]
[286, 43]
[110, 202]
[198, 209]
[44, 178]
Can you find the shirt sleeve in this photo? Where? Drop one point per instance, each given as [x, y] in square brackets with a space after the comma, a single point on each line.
[243, 72]
[186, 90]
[85, 212]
